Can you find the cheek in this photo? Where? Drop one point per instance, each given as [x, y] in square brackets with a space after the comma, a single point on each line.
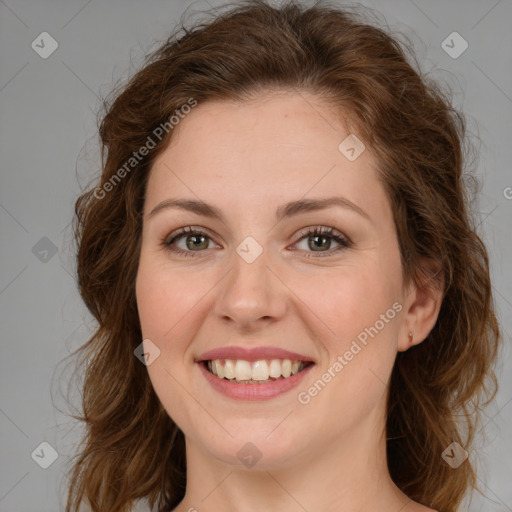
[360, 305]
[164, 299]
[165, 303]
[347, 300]
[359, 356]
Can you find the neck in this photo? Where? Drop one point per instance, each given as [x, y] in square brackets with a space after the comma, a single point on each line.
[347, 473]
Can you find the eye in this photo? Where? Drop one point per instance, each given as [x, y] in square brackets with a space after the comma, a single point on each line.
[193, 238]
[319, 238]
[197, 240]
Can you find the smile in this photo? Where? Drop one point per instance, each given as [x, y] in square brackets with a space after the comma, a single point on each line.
[248, 388]
[255, 372]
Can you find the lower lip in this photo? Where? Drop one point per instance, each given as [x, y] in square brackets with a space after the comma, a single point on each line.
[254, 391]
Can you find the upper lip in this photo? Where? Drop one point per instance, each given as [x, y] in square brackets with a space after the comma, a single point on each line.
[251, 354]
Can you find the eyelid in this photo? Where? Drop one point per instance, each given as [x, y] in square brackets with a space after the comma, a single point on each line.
[341, 239]
[180, 233]
[323, 230]
[190, 229]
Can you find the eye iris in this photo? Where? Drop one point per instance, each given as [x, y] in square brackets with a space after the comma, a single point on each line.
[196, 246]
[315, 246]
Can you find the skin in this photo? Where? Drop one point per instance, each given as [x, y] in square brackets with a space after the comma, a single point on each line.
[247, 159]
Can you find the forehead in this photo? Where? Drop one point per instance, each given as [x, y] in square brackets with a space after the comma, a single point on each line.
[278, 146]
[269, 122]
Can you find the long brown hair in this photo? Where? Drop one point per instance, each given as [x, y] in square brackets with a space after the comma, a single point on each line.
[132, 450]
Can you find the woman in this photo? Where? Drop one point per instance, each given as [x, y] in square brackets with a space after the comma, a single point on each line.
[294, 307]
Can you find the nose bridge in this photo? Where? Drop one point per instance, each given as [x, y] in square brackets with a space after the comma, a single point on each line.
[250, 291]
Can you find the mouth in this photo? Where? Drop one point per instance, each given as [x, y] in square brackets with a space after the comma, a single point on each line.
[264, 371]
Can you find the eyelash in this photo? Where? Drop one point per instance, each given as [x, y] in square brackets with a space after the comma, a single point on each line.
[344, 242]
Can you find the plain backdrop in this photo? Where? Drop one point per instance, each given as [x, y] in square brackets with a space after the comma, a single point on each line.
[49, 153]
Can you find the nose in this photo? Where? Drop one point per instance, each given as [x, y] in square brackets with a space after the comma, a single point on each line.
[251, 295]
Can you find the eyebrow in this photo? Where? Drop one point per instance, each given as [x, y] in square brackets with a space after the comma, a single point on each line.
[284, 211]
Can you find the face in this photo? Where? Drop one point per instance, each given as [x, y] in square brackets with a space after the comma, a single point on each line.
[324, 283]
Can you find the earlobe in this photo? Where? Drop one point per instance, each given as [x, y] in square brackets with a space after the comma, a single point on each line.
[422, 308]
[407, 343]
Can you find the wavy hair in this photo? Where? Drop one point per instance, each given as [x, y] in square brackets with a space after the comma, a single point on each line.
[132, 450]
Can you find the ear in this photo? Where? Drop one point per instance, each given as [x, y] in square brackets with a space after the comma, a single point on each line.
[422, 304]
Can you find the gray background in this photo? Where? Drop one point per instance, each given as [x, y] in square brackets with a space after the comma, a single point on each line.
[49, 152]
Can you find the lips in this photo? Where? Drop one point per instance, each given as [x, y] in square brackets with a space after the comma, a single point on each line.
[264, 387]
[253, 392]
[252, 354]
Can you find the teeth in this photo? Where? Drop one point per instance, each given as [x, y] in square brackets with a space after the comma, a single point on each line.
[275, 368]
[243, 370]
[286, 368]
[219, 369]
[229, 369]
[259, 371]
